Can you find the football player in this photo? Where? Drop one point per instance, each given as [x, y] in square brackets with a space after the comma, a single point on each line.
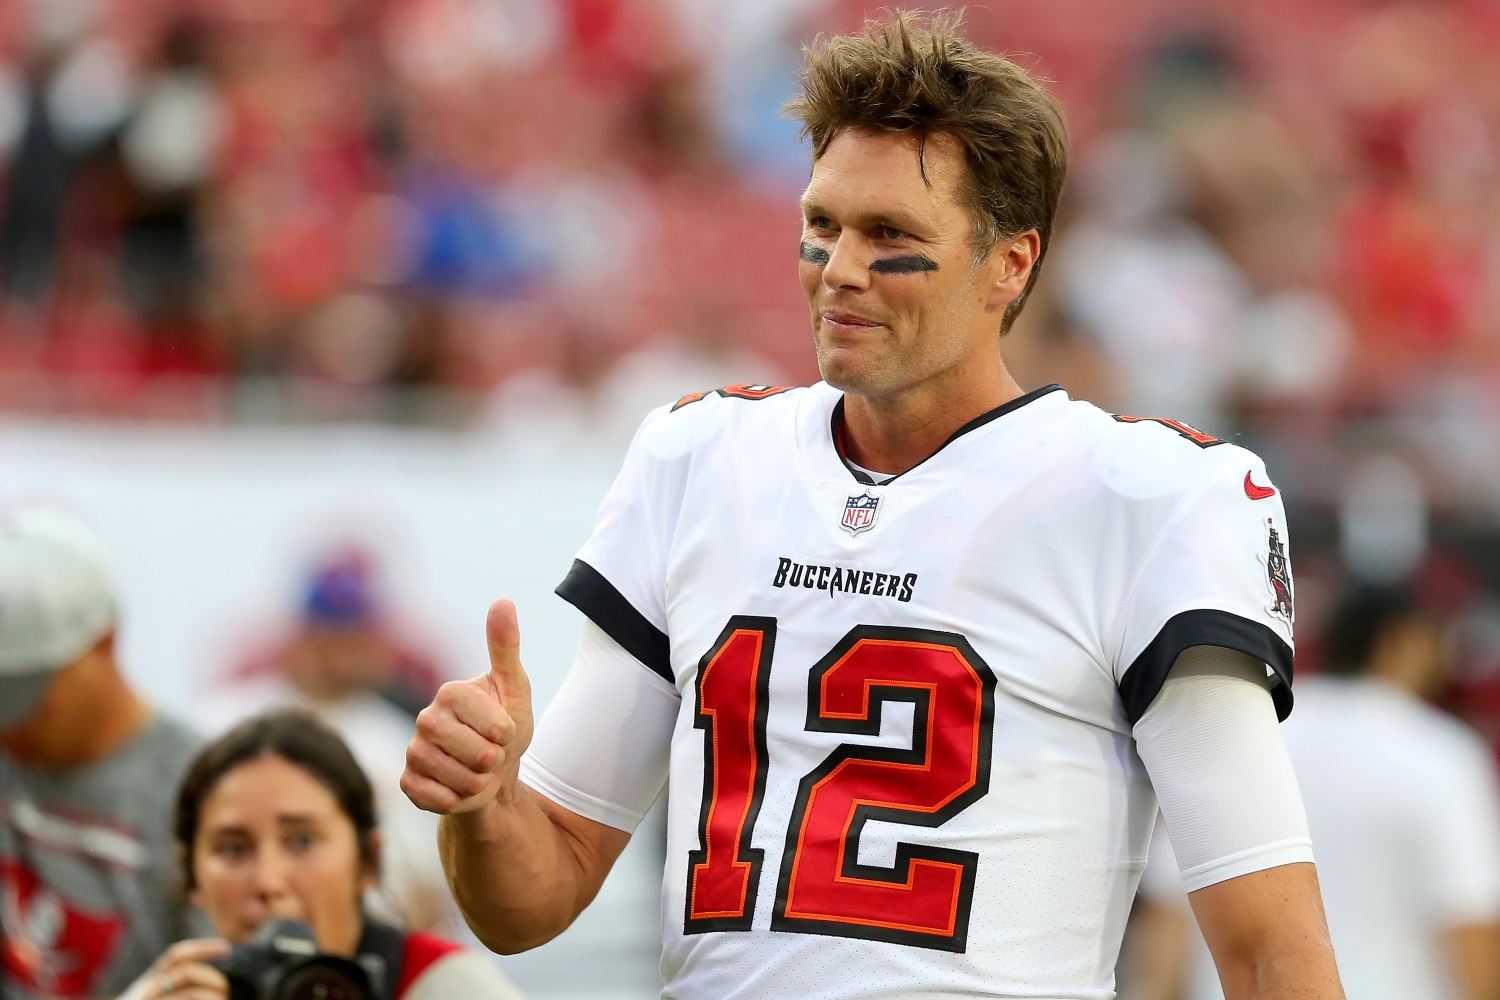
[920, 651]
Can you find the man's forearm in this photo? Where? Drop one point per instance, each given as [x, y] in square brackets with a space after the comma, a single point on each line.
[1268, 935]
[519, 870]
[1300, 973]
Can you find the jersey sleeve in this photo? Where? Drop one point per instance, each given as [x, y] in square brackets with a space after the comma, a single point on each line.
[1216, 574]
[619, 578]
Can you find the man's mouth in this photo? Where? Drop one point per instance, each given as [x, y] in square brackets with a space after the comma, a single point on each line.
[841, 321]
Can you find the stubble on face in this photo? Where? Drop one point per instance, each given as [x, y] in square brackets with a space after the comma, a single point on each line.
[895, 359]
[888, 313]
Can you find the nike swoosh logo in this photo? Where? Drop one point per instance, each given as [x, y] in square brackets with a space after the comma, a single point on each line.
[1258, 492]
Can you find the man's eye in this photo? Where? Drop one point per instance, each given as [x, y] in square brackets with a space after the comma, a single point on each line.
[233, 850]
[893, 234]
[820, 222]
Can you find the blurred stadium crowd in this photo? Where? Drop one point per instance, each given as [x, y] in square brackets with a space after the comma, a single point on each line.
[451, 192]
[339, 195]
[1283, 225]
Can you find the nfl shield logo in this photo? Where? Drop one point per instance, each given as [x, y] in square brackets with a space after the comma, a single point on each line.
[859, 513]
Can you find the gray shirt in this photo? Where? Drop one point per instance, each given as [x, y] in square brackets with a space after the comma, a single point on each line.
[89, 888]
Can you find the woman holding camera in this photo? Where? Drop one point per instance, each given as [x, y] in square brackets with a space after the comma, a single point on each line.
[275, 820]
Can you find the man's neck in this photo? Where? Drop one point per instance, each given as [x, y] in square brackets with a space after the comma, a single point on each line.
[105, 716]
[891, 434]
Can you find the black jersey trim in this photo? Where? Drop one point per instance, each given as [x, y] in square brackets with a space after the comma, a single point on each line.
[836, 429]
[587, 590]
[1204, 627]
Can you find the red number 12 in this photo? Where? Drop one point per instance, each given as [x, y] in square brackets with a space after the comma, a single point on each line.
[925, 899]
[733, 679]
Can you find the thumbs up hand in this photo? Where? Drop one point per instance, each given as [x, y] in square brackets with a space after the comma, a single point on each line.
[470, 739]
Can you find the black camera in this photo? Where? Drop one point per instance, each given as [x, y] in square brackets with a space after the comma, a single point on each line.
[283, 962]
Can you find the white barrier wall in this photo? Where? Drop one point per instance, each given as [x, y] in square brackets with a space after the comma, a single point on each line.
[209, 531]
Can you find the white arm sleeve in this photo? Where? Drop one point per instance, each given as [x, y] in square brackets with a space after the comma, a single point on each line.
[1228, 793]
[601, 749]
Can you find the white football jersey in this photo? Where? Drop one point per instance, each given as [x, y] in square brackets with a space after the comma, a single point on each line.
[903, 763]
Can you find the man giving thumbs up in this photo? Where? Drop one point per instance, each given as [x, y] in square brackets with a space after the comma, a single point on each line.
[909, 638]
[521, 867]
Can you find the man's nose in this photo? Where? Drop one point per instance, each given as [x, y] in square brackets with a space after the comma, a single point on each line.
[847, 266]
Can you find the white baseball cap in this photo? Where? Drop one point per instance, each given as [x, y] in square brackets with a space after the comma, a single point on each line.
[56, 602]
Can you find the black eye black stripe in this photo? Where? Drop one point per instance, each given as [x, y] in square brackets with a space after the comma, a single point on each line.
[910, 264]
[904, 265]
[813, 255]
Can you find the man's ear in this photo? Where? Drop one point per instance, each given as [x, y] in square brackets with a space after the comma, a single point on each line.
[1009, 268]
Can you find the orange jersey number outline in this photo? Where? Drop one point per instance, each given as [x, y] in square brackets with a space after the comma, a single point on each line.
[734, 392]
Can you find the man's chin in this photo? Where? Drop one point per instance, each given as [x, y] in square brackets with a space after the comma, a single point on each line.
[867, 382]
[854, 375]
[861, 375]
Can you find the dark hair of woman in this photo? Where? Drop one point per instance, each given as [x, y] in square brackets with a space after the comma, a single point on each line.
[297, 737]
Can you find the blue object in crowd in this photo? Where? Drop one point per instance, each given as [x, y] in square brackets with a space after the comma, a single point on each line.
[339, 592]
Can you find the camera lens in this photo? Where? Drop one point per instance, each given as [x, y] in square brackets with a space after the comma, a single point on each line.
[320, 982]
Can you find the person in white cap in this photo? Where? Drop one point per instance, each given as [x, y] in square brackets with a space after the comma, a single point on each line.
[88, 775]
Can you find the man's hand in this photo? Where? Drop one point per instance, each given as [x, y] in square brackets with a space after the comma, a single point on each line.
[520, 867]
[470, 739]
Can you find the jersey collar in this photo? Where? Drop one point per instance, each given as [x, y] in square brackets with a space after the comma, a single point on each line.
[836, 428]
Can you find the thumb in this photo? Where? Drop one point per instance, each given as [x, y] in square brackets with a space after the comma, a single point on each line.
[503, 633]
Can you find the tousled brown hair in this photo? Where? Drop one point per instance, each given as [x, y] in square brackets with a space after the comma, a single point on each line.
[910, 73]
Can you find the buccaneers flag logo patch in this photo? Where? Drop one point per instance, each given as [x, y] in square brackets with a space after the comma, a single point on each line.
[1278, 574]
